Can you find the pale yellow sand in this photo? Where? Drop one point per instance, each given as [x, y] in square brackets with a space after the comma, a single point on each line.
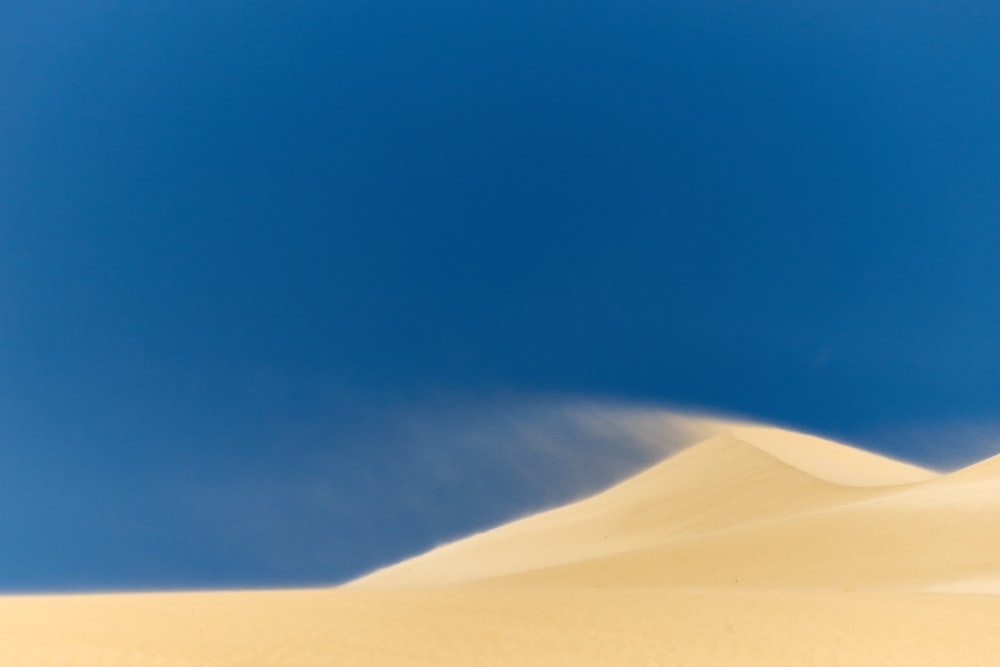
[755, 547]
[501, 627]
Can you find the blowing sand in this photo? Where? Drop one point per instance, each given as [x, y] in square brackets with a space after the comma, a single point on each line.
[756, 547]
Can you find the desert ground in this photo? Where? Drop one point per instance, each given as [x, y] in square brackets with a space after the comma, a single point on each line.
[757, 546]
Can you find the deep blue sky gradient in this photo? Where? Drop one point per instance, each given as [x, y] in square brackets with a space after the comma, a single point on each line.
[231, 234]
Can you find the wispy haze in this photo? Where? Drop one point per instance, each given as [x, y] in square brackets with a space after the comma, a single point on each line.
[232, 232]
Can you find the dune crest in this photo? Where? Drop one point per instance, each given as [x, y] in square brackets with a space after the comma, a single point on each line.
[830, 460]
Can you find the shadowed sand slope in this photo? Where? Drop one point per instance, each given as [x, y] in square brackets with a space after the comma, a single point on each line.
[755, 547]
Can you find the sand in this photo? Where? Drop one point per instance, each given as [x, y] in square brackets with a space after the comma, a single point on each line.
[758, 546]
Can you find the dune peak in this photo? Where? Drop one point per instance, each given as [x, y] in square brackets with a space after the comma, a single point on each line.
[830, 460]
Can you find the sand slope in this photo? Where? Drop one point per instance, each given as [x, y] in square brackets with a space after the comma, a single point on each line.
[758, 546]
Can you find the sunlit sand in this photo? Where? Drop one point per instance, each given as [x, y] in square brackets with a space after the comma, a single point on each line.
[757, 546]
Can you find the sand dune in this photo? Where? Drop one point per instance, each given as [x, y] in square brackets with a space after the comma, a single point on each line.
[708, 499]
[758, 546]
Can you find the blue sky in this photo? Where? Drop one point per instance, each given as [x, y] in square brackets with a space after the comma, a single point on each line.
[240, 238]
